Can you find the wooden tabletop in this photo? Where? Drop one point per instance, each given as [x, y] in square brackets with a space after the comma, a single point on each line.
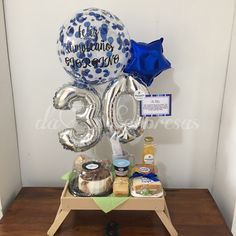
[193, 213]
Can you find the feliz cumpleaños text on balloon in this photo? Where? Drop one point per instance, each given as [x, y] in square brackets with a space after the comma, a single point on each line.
[90, 34]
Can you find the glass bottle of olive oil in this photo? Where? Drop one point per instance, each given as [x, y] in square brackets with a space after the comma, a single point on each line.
[148, 151]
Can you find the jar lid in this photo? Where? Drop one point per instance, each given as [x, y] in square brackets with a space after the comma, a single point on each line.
[121, 163]
[148, 139]
[91, 165]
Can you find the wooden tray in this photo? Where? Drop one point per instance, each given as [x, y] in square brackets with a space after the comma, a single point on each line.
[69, 202]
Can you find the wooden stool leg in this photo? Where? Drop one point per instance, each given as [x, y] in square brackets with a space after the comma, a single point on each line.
[167, 223]
[58, 221]
[167, 211]
[59, 211]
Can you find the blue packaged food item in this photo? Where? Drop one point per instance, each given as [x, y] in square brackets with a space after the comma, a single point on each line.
[121, 167]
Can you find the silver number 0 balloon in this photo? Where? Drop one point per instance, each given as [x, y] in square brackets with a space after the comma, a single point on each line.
[124, 85]
[88, 130]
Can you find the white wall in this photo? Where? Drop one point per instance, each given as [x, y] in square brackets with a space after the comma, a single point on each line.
[10, 179]
[234, 222]
[197, 37]
[1, 211]
[224, 186]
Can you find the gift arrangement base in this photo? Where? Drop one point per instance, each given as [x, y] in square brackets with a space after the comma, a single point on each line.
[69, 202]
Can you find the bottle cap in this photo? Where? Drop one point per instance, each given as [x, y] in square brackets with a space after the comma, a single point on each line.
[148, 139]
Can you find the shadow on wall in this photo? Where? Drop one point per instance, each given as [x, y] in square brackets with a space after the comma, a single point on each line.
[165, 130]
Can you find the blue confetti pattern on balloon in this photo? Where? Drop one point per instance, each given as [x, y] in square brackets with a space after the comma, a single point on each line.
[106, 73]
[70, 31]
[94, 46]
[98, 70]
[103, 31]
[80, 18]
[87, 24]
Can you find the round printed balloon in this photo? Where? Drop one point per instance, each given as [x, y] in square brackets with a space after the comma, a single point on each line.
[94, 46]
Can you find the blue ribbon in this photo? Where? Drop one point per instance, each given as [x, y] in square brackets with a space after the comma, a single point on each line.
[150, 176]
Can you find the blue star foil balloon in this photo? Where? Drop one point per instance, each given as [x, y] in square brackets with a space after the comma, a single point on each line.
[147, 61]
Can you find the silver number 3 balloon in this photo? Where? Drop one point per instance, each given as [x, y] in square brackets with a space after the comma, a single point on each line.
[126, 131]
[88, 130]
